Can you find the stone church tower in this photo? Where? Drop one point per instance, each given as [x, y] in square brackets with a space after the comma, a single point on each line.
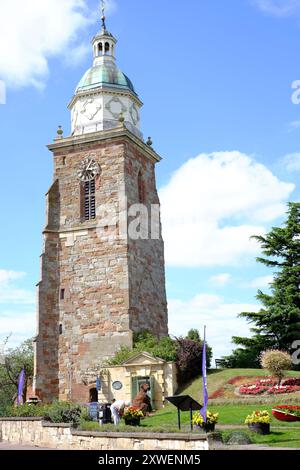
[99, 283]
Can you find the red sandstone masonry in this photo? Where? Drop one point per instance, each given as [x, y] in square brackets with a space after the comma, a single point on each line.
[112, 288]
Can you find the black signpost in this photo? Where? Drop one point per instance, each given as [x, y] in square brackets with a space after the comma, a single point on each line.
[184, 403]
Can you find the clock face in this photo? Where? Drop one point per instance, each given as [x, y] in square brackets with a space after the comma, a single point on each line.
[117, 385]
[89, 170]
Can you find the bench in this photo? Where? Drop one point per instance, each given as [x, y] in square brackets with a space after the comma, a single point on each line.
[221, 363]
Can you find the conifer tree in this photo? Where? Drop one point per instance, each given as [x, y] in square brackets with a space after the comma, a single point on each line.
[277, 324]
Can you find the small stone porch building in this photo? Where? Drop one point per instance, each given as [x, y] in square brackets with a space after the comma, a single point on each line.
[123, 382]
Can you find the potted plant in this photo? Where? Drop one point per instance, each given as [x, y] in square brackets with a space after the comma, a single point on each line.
[211, 420]
[287, 413]
[259, 422]
[132, 416]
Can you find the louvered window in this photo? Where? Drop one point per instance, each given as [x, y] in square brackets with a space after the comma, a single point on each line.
[89, 200]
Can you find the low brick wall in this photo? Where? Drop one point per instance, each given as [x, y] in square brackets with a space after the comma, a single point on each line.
[35, 432]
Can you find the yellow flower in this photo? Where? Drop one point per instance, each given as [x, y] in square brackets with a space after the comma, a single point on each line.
[258, 417]
[211, 418]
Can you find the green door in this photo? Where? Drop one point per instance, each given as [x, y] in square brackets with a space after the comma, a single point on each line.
[136, 383]
[134, 387]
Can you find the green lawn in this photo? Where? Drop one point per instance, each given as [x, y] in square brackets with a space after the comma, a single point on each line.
[232, 413]
[277, 438]
[217, 379]
[235, 414]
[228, 414]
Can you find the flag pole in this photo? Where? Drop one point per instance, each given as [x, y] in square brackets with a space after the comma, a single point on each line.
[204, 378]
[21, 383]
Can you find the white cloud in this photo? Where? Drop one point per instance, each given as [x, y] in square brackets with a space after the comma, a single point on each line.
[10, 293]
[17, 316]
[293, 125]
[20, 324]
[220, 279]
[219, 317]
[31, 32]
[259, 282]
[292, 162]
[214, 203]
[280, 8]
[7, 276]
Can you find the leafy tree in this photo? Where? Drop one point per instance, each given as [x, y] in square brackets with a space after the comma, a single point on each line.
[14, 361]
[189, 359]
[277, 324]
[186, 352]
[194, 335]
[165, 348]
[276, 362]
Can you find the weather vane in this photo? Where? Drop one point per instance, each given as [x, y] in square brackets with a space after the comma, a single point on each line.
[103, 13]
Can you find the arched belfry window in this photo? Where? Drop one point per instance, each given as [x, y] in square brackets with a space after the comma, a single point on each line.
[100, 48]
[141, 188]
[88, 200]
[106, 48]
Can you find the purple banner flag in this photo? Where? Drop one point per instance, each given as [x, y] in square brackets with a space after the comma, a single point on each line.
[204, 376]
[21, 386]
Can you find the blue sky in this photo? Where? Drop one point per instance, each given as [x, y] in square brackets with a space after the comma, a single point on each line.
[216, 81]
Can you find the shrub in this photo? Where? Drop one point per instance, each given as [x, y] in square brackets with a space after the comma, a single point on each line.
[57, 412]
[121, 356]
[189, 359]
[237, 438]
[63, 412]
[24, 411]
[165, 348]
[276, 362]
[186, 352]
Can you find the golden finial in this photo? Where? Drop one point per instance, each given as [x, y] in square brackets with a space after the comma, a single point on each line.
[60, 132]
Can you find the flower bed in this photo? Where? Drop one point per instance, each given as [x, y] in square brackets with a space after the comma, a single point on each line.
[277, 389]
[252, 389]
[293, 381]
[218, 393]
[255, 386]
[236, 379]
[287, 413]
[268, 386]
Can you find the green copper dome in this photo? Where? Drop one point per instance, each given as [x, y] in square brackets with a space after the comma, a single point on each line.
[104, 75]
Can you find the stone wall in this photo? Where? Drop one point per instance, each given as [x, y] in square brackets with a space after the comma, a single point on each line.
[35, 432]
[148, 304]
[95, 289]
